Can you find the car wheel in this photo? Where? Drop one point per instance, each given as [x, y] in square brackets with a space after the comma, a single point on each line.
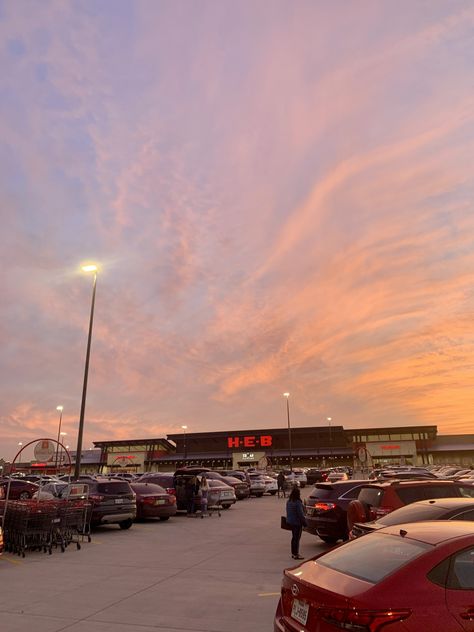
[328, 540]
[225, 506]
[164, 518]
[259, 495]
[24, 495]
[126, 524]
[273, 493]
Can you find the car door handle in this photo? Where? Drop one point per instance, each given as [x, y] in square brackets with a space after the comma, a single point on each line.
[467, 615]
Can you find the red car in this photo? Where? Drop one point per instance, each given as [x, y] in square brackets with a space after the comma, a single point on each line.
[153, 501]
[414, 577]
[19, 489]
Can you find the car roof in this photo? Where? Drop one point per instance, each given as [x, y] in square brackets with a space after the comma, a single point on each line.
[446, 503]
[420, 481]
[431, 531]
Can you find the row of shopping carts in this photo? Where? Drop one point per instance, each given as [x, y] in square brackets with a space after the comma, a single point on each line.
[30, 525]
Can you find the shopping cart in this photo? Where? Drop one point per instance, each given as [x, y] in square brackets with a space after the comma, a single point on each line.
[30, 526]
[74, 517]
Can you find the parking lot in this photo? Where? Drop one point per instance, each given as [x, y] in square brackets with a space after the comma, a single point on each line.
[217, 574]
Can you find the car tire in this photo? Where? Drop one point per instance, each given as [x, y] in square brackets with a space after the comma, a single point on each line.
[356, 512]
[126, 524]
[273, 493]
[164, 518]
[328, 540]
[259, 495]
[225, 506]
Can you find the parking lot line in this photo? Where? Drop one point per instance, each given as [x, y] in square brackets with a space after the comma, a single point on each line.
[268, 594]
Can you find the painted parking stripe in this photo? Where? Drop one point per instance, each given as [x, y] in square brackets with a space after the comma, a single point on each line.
[269, 594]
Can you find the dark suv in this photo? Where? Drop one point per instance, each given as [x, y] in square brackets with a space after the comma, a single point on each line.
[113, 502]
[326, 509]
[378, 499]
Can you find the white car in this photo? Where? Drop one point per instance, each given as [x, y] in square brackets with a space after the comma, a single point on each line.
[271, 486]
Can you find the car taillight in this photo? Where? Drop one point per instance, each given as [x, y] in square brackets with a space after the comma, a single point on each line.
[356, 620]
[96, 498]
[171, 490]
[324, 506]
[172, 499]
[149, 500]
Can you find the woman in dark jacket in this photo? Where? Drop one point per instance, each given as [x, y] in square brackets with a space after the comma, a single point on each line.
[295, 518]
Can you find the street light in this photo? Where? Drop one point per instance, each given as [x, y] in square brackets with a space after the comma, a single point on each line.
[287, 395]
[60, 409]
[63, 434]
[329, 419]
[77, 465]
[184, 435]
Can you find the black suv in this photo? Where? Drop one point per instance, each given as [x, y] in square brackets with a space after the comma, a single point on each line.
[326, 509]
[113, 502]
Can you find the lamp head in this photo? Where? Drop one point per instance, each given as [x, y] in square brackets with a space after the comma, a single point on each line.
[184, 427]
[89, 268]
[286, 395]
[60, 408]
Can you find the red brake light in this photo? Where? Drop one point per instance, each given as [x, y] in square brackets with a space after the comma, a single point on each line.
[361, 620]
[171, 490]
[148, 500]
[324, 506]
[96, 498]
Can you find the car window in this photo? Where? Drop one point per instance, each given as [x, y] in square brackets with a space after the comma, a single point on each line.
[461, 572]
[150, 488]
[467, 491]
[412, 513]
[464, 515]
[322, 493]
[373, 558]
[353, 492]
[114, 487]
[370, 496]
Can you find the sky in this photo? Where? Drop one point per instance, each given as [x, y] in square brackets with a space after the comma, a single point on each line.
[279, 196]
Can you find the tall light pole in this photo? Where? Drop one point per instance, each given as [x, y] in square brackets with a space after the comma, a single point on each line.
[77, 465]
[60, 409]
[329, 419]
[63, 434]
[184, 440]
[287, 395]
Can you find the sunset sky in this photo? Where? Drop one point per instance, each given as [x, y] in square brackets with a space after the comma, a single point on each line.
[280, 198]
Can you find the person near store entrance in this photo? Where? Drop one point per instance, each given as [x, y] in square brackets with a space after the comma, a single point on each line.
[296, 520]
[281, 484]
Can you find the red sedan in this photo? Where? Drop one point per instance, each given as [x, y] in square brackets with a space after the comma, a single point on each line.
[153, 501]
[19, 489]
[406, 578]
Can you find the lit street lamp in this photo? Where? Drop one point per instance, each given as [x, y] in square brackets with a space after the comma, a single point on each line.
[184, 439]
[287, 395]
[77, 466]
[329, 419]
[60, 409]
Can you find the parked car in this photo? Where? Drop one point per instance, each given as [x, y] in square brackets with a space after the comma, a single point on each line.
[326, 509]
[153, 501]
[405, 578]
[271, 485]
[257, 484]
[164, 479]
[378, 499]
[241, 488]
[295, 477]
[51, 490]
[220, 494]
[19, 488]
[436, 509]
[113, 502]
[314, 475]
[337, 476]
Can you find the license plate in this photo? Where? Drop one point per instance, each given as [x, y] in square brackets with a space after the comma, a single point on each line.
[300, 611]
[119, 501]
[160, 502]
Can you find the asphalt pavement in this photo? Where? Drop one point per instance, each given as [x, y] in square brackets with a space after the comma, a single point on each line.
[217, 574]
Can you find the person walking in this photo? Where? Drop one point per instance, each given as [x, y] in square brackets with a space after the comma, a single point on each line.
[204, 495]
[296, 519]
[191, 488]
[281, 484]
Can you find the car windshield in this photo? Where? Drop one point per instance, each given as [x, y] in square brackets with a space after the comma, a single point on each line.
[114, 487]
[147, 488]
[373, 557]
[412, 513]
